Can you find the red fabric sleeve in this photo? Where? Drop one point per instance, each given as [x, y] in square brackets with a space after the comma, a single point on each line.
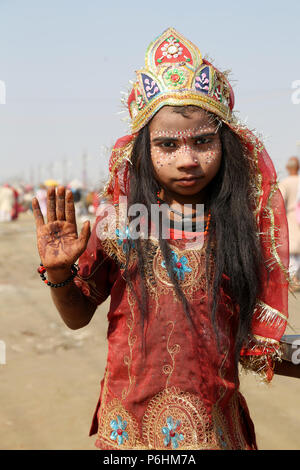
[97, 271]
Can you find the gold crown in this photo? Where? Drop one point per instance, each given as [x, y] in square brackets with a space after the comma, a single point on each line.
[175, 74]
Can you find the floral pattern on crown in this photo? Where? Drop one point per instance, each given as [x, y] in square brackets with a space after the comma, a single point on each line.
[175, 74]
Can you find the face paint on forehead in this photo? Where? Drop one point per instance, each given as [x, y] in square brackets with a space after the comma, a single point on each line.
[191, 132]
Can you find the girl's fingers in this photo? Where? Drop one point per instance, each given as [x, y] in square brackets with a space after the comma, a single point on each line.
[60, 203]
[70, 208]
[38, 216]
[51, 205]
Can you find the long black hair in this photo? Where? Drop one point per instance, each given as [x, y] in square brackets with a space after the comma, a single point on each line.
[232, 244]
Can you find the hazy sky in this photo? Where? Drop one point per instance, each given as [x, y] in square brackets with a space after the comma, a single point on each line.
[65, 62]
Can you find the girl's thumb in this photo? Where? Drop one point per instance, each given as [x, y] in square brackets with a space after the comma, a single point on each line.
[85, 234]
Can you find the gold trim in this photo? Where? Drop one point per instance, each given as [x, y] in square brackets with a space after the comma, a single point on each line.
[260, 364]
[179, 98]
[265, 340]
[269, 314]
[272, 233]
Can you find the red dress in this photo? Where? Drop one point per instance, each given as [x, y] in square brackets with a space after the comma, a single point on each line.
[180, 391]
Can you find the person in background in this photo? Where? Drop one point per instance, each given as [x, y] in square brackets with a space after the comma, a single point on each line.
[27, 197]
[6, 203]
[290, 190]
[16, 207]
[41, 195]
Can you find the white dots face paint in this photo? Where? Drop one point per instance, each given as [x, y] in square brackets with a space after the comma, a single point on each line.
[185, 145]
[200, 143]
[186, 133]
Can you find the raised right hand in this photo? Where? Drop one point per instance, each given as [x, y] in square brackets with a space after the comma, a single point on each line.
[58, 243]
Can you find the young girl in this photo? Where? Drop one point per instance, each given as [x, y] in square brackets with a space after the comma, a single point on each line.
[187, 304]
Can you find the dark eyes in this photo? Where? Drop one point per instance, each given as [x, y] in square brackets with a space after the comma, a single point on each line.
[168, 145]
[173, 145]
[202, 140]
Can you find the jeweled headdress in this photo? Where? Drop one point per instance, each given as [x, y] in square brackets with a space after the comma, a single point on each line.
[175, 74]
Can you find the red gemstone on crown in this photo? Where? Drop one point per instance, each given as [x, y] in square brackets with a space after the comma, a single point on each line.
[175, 77]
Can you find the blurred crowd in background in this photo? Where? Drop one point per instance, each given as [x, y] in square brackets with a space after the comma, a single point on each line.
[17, 198]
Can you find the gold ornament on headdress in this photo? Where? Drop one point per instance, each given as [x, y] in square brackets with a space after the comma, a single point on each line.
[176, 75]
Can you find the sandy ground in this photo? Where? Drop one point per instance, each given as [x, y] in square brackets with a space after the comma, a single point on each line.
[49, 385]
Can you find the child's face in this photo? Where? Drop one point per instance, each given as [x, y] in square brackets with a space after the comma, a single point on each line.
[186, 150]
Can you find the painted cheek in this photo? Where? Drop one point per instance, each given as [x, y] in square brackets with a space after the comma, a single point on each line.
[162, 158]
[209, 157]
[158, 158]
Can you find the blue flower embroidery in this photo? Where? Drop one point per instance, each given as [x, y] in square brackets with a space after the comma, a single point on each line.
[118, 432]
[124, 239]
[179, 266]
[171, 433]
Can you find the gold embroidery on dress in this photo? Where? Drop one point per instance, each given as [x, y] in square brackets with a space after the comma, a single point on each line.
[226, 441]
[221, 429]
[181, 413]
[172, 350]
[117, 428]
[158, 280]
[131, 341]
[104, 393]
[173, 420]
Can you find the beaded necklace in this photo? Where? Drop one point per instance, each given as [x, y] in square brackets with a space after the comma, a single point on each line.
[184, 217]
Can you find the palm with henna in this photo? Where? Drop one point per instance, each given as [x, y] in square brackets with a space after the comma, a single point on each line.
[58, 242]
